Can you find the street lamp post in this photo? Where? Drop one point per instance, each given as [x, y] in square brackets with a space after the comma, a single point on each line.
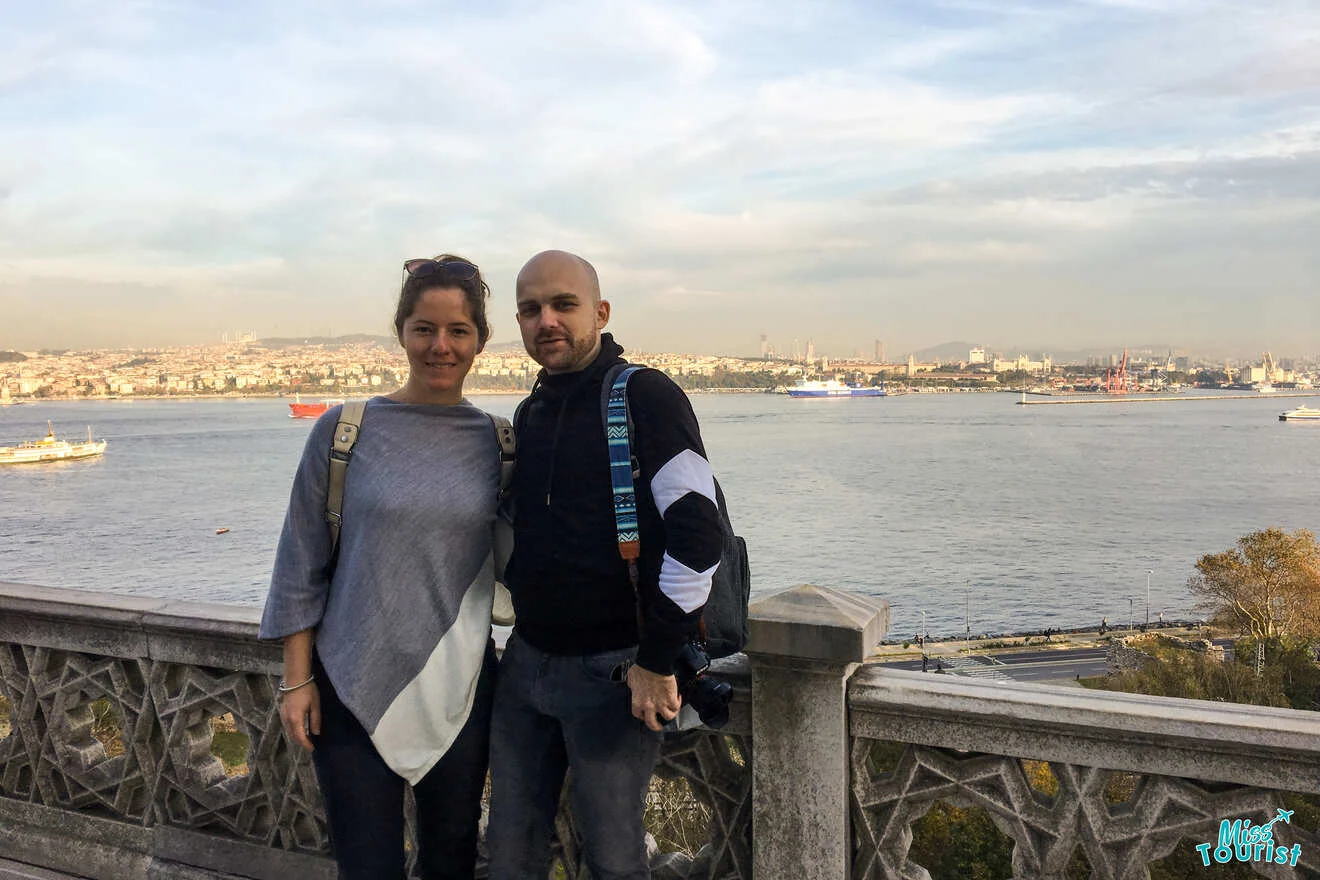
[1149, 572]
[967, 618]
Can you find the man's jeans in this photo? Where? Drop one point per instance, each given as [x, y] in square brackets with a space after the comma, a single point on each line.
[557, 712]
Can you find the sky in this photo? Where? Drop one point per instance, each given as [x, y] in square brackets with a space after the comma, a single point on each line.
[1038, 175]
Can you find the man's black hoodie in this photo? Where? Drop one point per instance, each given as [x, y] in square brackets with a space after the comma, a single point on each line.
[570, 585]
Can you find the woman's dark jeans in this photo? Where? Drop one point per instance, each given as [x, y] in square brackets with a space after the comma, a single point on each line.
[364, 797]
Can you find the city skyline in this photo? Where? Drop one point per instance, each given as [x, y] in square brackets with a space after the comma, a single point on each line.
[1066, 176]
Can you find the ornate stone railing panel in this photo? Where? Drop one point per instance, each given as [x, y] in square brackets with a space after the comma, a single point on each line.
[165, 806]
[1197, 763]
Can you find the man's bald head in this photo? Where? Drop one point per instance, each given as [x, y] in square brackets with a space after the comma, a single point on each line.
[560, 312]
[561, 264]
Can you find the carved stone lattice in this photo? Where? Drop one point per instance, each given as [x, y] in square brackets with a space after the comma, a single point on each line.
[718, 771]
[51, 758]
[274, 803]
[166, 773]
[1119, 840]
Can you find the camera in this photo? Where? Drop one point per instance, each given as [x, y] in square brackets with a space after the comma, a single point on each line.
[706, 696]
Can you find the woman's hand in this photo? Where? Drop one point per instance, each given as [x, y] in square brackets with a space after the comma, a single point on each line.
[300, 713]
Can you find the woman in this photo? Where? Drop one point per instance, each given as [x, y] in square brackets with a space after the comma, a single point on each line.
[388, 661]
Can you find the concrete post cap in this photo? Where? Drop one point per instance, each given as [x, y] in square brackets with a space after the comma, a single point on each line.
[808, 622]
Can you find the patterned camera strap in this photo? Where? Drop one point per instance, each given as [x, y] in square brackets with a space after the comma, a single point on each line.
[621, 476]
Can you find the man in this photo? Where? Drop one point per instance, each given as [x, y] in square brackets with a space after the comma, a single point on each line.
[580, 686]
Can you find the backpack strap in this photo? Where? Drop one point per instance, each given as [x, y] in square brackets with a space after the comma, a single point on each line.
[618, 430]
[507, 439]
[341, 449]
[623, 471]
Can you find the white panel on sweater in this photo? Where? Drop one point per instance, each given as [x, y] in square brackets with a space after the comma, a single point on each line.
[427, 715]
[684, 473]
[686, 588]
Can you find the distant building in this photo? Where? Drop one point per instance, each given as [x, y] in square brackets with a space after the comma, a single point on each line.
[976, 356]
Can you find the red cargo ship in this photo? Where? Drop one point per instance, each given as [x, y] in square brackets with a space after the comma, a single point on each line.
[300, 410]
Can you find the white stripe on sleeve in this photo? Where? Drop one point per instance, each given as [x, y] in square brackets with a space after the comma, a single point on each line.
[684, 473]
[686, 588]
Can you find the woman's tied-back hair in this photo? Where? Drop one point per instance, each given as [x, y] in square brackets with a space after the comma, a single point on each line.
[475, 292]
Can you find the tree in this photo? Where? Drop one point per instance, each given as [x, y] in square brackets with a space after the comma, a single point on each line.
[1268, 586]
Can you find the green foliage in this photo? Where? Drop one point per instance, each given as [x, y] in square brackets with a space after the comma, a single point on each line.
[954, 843]
[1014, 378]
[1289, 670]
[884, 756]
[12, 357]
[1197, 676]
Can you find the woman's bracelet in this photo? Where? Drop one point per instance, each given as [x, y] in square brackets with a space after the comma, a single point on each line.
[284, 688]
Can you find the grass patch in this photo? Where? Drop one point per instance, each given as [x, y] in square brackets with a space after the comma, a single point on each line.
[4, 717]
[230, 745]
[107, 728]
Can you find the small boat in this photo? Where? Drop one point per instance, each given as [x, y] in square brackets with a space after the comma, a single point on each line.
[300, 410]
[1301, 414]
[222, 531]
[833, 388]
[49, 448]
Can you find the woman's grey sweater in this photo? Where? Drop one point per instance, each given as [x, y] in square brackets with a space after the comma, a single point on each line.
[402, 621]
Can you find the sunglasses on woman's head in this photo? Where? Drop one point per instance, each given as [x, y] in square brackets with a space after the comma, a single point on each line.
[453, 270]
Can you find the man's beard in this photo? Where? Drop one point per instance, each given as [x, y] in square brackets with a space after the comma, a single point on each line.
[574, 355]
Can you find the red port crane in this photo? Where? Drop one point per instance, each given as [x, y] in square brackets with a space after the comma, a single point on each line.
[1118, 382]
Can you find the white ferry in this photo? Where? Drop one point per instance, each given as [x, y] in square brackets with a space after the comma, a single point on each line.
[832, 388]
[1301, 414]
[49, 448]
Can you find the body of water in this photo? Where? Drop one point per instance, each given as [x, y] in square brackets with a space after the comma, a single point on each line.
[952, 504]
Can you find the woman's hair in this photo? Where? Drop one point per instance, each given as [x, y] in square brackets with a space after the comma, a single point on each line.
[475, 292]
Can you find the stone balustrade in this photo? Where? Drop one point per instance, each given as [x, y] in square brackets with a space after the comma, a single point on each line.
[821, 773]
[1185, 765]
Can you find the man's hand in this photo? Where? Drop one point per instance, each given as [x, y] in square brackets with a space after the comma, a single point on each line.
[300, 713]
[653, 695]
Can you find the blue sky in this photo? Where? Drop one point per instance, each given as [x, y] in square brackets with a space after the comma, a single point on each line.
[1045, 175]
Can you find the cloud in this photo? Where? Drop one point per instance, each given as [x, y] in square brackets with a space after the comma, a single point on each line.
[833, 170]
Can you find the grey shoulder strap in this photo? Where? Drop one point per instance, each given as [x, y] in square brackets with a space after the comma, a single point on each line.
[341, 448]
[504, 434]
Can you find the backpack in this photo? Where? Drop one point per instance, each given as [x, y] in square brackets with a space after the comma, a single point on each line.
[724, 619]
[341, 450]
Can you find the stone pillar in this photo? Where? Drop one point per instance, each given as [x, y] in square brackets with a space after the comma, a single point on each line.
[804, 644]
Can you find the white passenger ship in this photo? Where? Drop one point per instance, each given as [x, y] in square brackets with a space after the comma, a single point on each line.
[49, 448]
